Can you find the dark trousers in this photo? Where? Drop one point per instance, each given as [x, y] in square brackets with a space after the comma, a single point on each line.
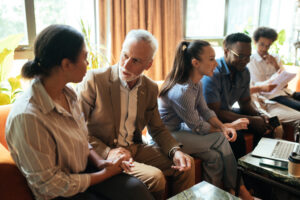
[239, 146]
[122, 186]
[290, 101]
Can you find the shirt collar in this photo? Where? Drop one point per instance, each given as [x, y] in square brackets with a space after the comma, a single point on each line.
[39, 95]
[223, 66]
[257, 57]
[192, 84]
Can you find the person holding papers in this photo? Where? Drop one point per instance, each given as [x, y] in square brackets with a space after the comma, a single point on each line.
[269, 80]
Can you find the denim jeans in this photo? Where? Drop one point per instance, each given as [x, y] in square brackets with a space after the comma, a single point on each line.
[288, 101]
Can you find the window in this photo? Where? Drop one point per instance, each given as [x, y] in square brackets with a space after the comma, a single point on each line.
[32, 16]
[13, 19]
[65, 12]
[204, 19]
[214, 19]
[242, 16]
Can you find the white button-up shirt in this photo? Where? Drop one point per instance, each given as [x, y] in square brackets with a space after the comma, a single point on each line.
[262, 73]
[128, 112]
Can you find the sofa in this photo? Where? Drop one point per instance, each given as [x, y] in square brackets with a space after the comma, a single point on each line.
[13, 185]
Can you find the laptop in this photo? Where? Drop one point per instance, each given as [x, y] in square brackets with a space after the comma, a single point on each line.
[275, 149]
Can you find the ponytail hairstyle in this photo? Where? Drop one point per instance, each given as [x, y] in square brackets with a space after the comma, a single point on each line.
[182, 65]
[52, 45]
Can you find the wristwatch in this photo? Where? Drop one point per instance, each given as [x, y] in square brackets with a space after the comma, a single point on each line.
[173, 150]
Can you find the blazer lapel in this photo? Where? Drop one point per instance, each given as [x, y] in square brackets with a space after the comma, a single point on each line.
[141, 97]
[115, 97]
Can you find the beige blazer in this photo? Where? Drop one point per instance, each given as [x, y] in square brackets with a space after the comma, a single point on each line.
[99, 97]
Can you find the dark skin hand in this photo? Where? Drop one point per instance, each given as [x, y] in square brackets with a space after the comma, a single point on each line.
[127, 163]
[258, 123]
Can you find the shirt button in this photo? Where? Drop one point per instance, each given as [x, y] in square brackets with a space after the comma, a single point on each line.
[115, 141]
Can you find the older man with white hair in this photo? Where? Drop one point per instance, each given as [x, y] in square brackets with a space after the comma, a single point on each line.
[118, 102]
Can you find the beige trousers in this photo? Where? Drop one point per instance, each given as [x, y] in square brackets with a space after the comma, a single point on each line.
[285, 114]
[151, 166]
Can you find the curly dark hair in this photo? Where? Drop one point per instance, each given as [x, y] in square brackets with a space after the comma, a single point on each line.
[266, 33]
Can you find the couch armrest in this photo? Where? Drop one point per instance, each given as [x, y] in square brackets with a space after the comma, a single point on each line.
[13, 185]
[4, 111]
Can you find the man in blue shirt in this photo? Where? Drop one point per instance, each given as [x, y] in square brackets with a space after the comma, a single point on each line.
[230, 84]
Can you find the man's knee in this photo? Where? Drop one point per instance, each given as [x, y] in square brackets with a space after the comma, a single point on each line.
[156, 180]
[191, 172]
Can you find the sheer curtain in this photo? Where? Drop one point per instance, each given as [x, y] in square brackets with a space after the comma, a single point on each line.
[164, 19]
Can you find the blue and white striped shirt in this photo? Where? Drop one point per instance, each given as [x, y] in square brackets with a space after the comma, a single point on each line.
[184, 105]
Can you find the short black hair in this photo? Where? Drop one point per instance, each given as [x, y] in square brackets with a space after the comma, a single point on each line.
[265, 32]
[234, 38]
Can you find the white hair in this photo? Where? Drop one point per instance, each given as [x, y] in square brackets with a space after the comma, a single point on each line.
[142, 35]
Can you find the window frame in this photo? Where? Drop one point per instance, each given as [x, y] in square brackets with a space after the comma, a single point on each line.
[218, 40]
[26, 51]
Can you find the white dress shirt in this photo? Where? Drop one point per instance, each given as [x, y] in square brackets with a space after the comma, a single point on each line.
[262, 73]
[128, 112]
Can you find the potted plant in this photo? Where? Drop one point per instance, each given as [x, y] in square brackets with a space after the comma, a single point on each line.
[9, 87]
[96, 57]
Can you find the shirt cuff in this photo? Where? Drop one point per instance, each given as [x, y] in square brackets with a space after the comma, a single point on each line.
[81, 182]
[203, 128]
[209, 115]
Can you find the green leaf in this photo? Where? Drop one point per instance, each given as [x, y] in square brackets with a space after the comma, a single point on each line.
[96, 57]
[246, 32]
[4, 99]
[17, 92]
[7, 47]
[11, 42]
[15, 83]
[281, 37]
[4, 90]
[6, 58]
[5, 86]
[4, 54]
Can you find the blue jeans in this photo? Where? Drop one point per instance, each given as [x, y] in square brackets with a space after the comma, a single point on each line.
[288, 101]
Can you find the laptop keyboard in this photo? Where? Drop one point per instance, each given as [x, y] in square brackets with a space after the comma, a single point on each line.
[282, 150]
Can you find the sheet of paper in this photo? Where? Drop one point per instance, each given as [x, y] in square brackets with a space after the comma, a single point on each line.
[281, 81]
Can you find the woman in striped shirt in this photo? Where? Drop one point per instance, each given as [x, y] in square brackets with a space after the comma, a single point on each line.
[184, 111]
[46, 132]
